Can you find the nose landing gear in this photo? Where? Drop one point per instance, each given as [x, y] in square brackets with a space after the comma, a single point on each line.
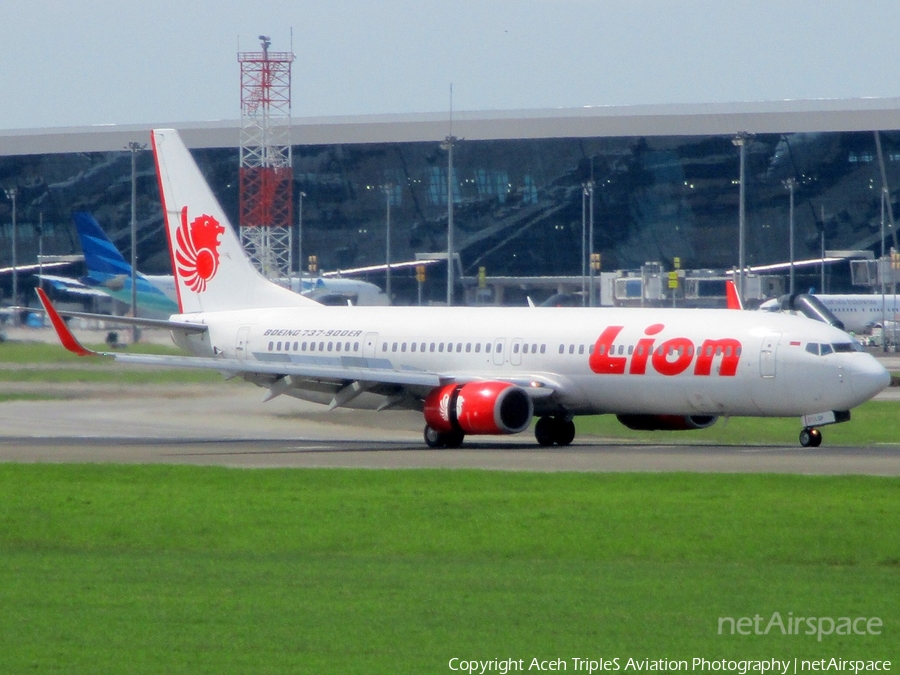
[810, 438]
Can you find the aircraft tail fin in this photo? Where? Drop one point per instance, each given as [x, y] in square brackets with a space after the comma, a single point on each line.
[100, 254]
[731, 295]
[212, 272]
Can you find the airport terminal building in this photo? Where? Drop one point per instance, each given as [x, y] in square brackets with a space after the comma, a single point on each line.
[666, 185]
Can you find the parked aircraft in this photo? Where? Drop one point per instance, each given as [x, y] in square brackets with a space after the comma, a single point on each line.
[488, 370]
[110, 274]
[857, 312]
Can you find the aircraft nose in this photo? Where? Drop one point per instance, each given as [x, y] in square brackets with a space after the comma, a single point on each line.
[868, 378]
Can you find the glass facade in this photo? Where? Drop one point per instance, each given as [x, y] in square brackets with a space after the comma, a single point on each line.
[518, 204]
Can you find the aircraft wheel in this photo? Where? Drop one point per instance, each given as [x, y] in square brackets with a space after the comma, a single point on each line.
[433, 439]
[453, 439]
[810, 438]
[545, 431]
[565, 432]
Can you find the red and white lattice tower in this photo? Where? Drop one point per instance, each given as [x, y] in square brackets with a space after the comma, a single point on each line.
[266, 174]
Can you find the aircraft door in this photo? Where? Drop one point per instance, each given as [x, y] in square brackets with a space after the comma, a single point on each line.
[499, 345]
[768, 354]
[240, 344]
[369, 345]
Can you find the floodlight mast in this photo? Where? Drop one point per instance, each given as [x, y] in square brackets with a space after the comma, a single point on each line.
[266, 166]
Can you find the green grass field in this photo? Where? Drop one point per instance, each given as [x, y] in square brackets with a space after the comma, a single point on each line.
[873, 423]
[113, 569]
[50, 363]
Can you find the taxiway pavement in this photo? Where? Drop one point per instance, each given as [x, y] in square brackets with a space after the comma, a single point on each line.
[229, 425]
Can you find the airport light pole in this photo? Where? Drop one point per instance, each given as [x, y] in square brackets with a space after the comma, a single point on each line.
[135, 148]
[584, 193]
[590, 190]
[741, 141]
[822, 240]
[40, 232]
[387, 243]
[448, 146]
[790, 184]
[881, 268]
[300, 242]
[11, 195]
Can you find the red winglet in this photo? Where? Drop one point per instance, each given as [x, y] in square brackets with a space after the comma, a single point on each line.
[731, 294]
[68, 340]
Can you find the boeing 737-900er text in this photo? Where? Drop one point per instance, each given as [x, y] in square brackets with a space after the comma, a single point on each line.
[491, 370]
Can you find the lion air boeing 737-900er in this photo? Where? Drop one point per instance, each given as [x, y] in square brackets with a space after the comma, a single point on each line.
[474, 370]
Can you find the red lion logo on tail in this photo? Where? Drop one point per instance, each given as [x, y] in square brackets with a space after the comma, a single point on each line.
[197, 250]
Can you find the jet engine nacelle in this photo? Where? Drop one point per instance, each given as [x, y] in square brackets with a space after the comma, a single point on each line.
[479, 408]
[667, 422]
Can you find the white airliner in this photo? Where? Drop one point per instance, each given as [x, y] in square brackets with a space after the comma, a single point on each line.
[489, 370]
[856, 311]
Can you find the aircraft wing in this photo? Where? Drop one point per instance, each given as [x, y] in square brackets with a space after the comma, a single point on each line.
[34, 267]
[350, 375]
[70, 285]
[379, 268]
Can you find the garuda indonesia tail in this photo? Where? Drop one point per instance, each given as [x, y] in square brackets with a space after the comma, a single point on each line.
[108, 271]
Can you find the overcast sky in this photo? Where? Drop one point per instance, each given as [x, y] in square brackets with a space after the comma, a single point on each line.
[74, 62]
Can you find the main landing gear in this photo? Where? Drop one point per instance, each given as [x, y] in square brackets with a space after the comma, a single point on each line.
[550, 430]
[446, 439]
[810, 438]
[547, 431]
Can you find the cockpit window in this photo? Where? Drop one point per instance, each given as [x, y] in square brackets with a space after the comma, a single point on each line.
[834, 348]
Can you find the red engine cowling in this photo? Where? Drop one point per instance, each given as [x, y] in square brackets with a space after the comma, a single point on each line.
[479, 408]
[667, 422]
